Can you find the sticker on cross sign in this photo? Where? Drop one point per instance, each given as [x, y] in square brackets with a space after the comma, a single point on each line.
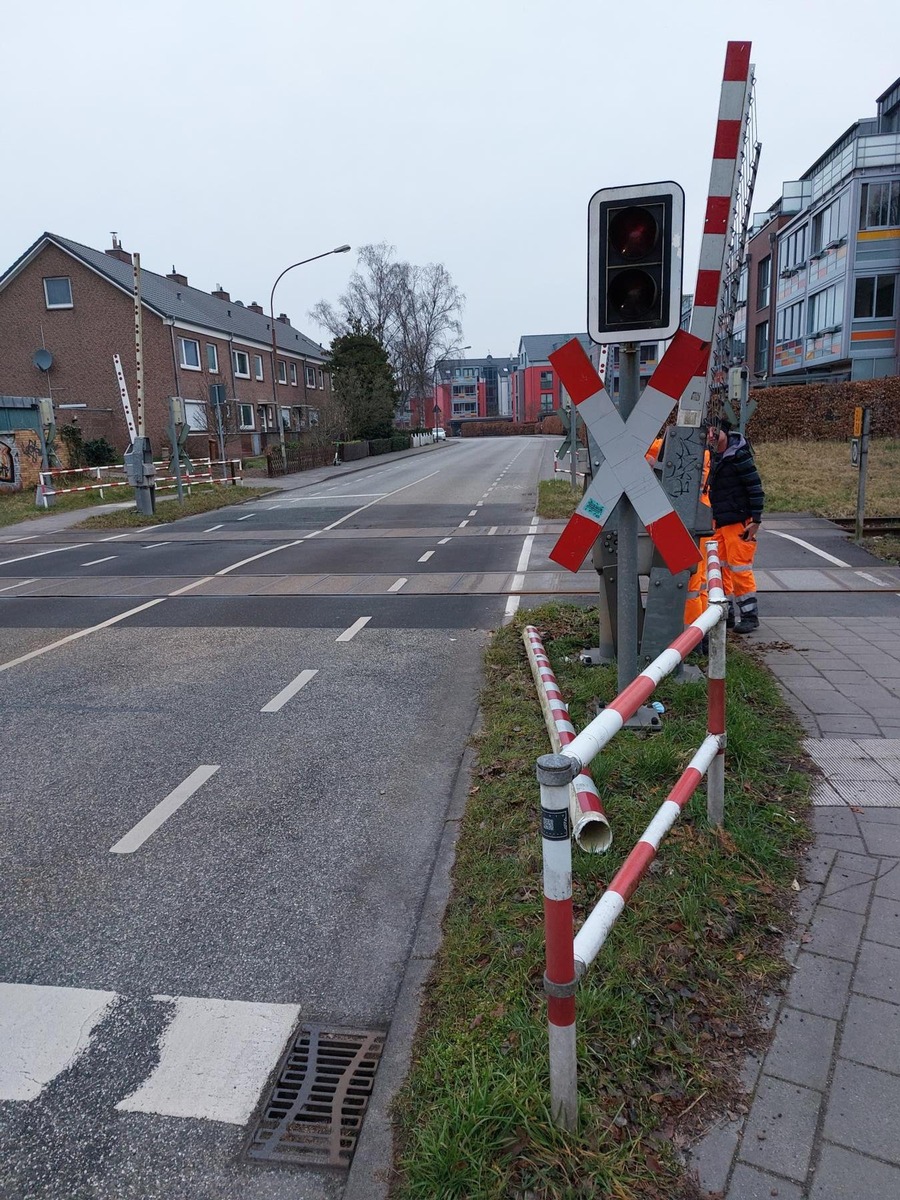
[595, 510]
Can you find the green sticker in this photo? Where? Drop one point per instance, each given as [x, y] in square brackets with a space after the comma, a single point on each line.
[593, 509]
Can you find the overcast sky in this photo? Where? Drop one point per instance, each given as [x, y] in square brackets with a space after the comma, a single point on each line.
[232, 139]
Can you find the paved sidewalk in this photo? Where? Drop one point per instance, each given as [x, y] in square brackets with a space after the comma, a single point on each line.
[824, 1102]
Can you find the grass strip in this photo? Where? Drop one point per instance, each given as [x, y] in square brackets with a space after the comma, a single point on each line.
[673, 1002]
[557, 498]
[204, 499]
[20, 506]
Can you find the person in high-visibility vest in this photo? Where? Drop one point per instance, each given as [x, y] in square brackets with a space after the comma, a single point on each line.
[736, 497]
[696, 601]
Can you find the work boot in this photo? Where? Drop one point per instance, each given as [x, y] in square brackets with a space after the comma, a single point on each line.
[748, 611]
[729, 616]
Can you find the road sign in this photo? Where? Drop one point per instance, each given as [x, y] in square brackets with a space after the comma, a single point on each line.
[624, 444]
[857, 421]
[854, 452]
[635, 237]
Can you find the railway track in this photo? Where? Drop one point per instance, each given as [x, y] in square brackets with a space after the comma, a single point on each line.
[872, 526]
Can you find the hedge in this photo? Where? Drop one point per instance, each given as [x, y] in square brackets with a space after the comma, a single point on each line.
[824, 411]
[498, 429]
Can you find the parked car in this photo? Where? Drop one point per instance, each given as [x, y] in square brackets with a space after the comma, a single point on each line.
[439, 434]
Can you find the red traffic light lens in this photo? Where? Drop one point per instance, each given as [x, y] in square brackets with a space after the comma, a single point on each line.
[633, 295]
[633, 232]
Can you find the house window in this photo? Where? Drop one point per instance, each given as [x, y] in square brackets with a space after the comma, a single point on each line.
[874, 297]
[285, 419]
[742, 286]
[321, 379]
[282, 371]
[311, 377]
[763, 281]
[793, 249]
[212, 358]
[648, 352]
[828, 225]
[58, 291]
[241, 361]
[245, 415]
[468, 372]
[189, 351]
[546, 402]
[257, 366]
[195, 414]
[761, 349]
[546, 379]
[293, 374]
[789, 326]
[266, 417]
[879, 206]
[826, 309]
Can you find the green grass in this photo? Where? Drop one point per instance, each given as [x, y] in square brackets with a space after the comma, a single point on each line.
[818, 477]
[20, 506]
[205, 498]
[557, 498]
[669, 1008]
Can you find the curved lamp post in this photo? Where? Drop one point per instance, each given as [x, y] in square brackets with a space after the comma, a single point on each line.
[303, 261]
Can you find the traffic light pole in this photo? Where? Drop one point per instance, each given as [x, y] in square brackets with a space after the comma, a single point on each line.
[627, 583]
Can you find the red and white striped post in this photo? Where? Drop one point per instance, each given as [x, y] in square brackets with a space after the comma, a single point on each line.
[555, 772]
[715, 688]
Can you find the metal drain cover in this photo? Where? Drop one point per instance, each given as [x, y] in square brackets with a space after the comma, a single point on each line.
[315, 1111]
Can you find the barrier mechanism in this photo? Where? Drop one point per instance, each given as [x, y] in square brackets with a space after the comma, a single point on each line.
[590, 828]
[568, 956]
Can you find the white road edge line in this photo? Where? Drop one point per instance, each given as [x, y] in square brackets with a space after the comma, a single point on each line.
[247, 517]
[872, 578]
[148, 825]
[6, 562]
[395, 587]
[212, 529]
[425, 557]
[115, 537]
[21, 583]
[279, 701]
[838, 562]
[156, 545]
[93, 562]
[518, 582]
[28, 538]
[353, 630]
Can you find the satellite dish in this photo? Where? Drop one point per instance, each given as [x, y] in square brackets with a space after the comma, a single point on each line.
[42, 359]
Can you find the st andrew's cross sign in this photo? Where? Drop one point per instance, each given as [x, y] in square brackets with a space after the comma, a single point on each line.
[624, 444]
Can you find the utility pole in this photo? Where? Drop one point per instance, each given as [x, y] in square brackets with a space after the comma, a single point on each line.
[139, 467]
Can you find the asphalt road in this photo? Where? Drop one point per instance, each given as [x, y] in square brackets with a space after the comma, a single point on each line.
[230, 746]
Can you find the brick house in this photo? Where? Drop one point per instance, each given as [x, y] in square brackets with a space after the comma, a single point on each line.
[467, 388]
[78, 304]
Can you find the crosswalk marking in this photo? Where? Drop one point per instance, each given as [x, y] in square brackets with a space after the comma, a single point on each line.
[215, 1057]
[43, 1030]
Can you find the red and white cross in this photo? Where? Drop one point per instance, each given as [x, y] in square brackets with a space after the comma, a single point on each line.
[624, 444]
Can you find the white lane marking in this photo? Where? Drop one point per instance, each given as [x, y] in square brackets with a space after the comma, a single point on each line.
[156, 545]
[255, 557]
[73, 637]
[492, 531]
[21, 583]
[212, 529]
[386, 496]
[518, 582]
[353, 630]
[279, 701]
[247, 517]
[425, 557]
[474, 512]
[215, 1057]
[345, 496]
[272, 507]
[395, 587]
[148, 825]
[871, 578]
[29, 538]
[478, 505]
[115, 537]
[43, 1030]
[189, 586]
[838, 562]
[463, 524]
[6, 562]
[444, 541]
[93, 562]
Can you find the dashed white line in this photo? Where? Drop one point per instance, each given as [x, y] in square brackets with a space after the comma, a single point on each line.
[29, 538]
[443, 541]
[474, 512]
[94, 561]
[425, 557]
[872, 578]
[353, 630]
[492, 531]
[135, 838]
[463, 524]
[395, 587]
[212, 529]
[279, 701]
[247, 517]
[40, 553]
[518, 582]
[156, 545]
[115, 537]
[478, 505]
[9, 587]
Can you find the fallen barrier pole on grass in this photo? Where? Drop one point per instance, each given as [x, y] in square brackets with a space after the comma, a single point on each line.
[568, 956]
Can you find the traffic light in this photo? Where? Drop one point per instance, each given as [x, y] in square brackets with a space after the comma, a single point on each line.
[635, 238]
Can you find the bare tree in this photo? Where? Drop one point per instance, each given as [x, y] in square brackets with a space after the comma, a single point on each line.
[369, 304]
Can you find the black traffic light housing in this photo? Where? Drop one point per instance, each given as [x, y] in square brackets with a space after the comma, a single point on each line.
[635, 236]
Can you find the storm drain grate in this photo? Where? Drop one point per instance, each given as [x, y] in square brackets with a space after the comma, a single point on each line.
[315, 1112]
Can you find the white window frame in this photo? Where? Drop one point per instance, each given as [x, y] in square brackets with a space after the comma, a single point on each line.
[196, 414]
[236, 356]
[293, 374]
[182, 358]
[282, 371]
[258, 366]
[322, 380]
[310, 377]
[212, 360]
[242, 410]
[54, 279]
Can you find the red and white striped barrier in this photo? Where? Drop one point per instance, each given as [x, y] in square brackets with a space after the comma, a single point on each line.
[568, 956]
[590, 828]
[47, 489]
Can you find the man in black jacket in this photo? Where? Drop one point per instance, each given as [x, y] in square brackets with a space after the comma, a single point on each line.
[736, 498]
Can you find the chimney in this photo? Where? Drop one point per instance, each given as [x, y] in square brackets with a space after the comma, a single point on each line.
[176, 278]
[254, 307]
[284, 318]
[219, 294]
[117, 251]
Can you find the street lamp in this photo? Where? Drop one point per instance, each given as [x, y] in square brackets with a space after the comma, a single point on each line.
[303, 262]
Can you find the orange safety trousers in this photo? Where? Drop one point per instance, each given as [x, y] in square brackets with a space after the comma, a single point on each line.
[736, 556]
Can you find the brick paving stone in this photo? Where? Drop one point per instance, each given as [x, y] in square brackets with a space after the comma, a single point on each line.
[877, 816]
[835, 821]
[870, 1033]
[884, 921]
[840, 841]
[801, 1050]
[843, 1175]
[832, 703]
[847, 889]
[713, 1155]
[862, 726]
[807, 899]
[888, 882]
[878, 972]
[780, 1129]
[863, 864]
[748, 1184]
[820, 985]
[817, 863]
[863, 1111]
[835, 932]
[882, 838]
